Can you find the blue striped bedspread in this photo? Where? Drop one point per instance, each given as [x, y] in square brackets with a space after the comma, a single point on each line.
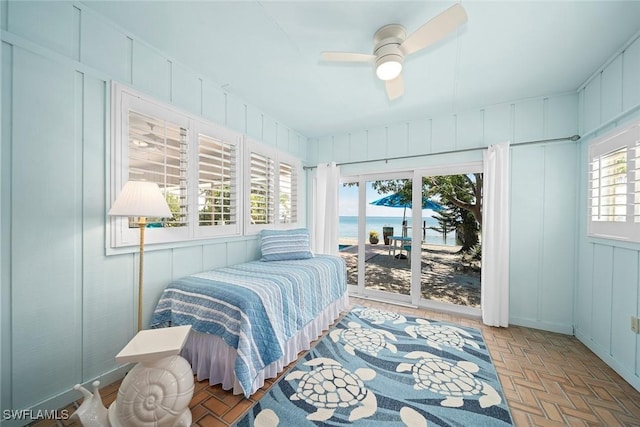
[254, 307]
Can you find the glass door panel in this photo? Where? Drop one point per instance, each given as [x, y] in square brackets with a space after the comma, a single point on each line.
[348, 232]
[387, 269]
[451, 240]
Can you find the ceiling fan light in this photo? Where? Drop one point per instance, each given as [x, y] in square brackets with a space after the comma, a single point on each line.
[388, 69]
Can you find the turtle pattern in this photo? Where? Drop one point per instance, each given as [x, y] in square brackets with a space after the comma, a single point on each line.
[378, 317]
[366, 340]
[439, 335]
[329, 386]
[454, 381]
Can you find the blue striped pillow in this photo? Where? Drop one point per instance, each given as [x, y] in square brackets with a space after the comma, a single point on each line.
[280, 245]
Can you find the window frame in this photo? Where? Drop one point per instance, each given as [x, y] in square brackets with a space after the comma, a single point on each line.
[278, 157]
[119, 232]
[627, 137]
[214, 131]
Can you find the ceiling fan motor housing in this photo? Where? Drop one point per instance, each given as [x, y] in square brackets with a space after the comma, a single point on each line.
[387, 50]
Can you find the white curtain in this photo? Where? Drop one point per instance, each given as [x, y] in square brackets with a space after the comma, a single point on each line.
[495, 236]
[324, 230]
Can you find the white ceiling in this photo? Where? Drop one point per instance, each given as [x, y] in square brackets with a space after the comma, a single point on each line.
[267, 53]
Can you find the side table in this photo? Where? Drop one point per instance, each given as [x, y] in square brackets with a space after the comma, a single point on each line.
[155, 393]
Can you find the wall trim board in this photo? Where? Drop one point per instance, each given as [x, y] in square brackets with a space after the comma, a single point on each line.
[613, 243]
[623, 116]
[20, 42]
[545, 326]
[608, 62]
[388, 159]
[629, 377]
[6, 171]
[17, 41]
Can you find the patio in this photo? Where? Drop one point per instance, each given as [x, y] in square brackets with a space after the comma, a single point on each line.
[446, 275]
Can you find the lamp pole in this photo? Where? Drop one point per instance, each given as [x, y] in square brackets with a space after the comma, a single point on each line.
[142, 223]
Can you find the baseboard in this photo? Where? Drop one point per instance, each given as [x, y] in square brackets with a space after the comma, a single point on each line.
[545, 326]
[627, 375]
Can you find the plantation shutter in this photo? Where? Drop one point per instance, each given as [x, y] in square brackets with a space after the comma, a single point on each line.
[261, 189]
[614, 185]
[288, 194]
[609, 186]
[217, 191]
[636, 180]
[158, 153]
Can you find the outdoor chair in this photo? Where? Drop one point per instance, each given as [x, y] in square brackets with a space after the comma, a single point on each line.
[408, 249]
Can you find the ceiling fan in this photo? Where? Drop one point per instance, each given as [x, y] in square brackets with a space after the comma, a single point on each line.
[391, 45]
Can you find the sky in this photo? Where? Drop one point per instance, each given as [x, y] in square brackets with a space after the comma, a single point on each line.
[348, 203]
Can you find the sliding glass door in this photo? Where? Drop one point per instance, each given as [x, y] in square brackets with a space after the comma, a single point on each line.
[447, 269]
[415, 237]
[375, 223]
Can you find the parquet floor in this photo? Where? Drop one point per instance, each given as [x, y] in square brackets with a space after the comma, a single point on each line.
[549, 380]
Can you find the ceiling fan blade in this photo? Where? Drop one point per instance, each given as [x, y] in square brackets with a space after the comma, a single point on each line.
[395, 87]
[435, 29]
[347, 57]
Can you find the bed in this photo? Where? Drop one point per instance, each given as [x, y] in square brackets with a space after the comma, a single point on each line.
[251, 320]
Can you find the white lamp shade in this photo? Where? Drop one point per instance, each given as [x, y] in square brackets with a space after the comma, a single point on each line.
[140, 198]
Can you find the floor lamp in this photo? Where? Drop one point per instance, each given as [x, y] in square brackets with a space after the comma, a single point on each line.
[141, 199]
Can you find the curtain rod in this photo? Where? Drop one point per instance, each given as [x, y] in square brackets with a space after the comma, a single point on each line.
[462, 150]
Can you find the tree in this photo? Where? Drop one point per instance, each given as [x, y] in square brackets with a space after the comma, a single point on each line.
[462, 191]
[448, 221]
[462, 194]
[217, 205]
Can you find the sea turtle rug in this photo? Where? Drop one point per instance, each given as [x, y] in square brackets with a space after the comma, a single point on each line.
[378, 368]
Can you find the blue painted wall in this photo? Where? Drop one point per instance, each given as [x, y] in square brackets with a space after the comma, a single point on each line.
[608, 282]
[543, 187]
[66, 308]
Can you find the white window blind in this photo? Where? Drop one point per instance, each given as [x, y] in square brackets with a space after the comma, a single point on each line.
[261, 189]
[636, 178]
[288, 194]
[217, 193]
[194, 162]
[609, 186]
[272, 192]
[217, 182]
[614, 185]
[158, 153]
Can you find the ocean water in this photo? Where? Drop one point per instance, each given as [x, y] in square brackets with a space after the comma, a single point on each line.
[348, 228]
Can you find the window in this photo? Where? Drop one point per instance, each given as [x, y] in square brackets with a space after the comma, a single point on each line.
[158, 153]
[614, 185]
[288, 193]
[272, 189]
[261, 189]
[217, 183]
[195, 164]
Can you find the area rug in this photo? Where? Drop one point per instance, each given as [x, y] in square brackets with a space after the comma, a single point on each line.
[379, 368]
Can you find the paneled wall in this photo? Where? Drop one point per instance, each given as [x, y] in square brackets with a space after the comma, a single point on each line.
[67, 309]
[543, 187]
[608, 282]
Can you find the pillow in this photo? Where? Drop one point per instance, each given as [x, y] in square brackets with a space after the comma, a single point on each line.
[280, 245]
